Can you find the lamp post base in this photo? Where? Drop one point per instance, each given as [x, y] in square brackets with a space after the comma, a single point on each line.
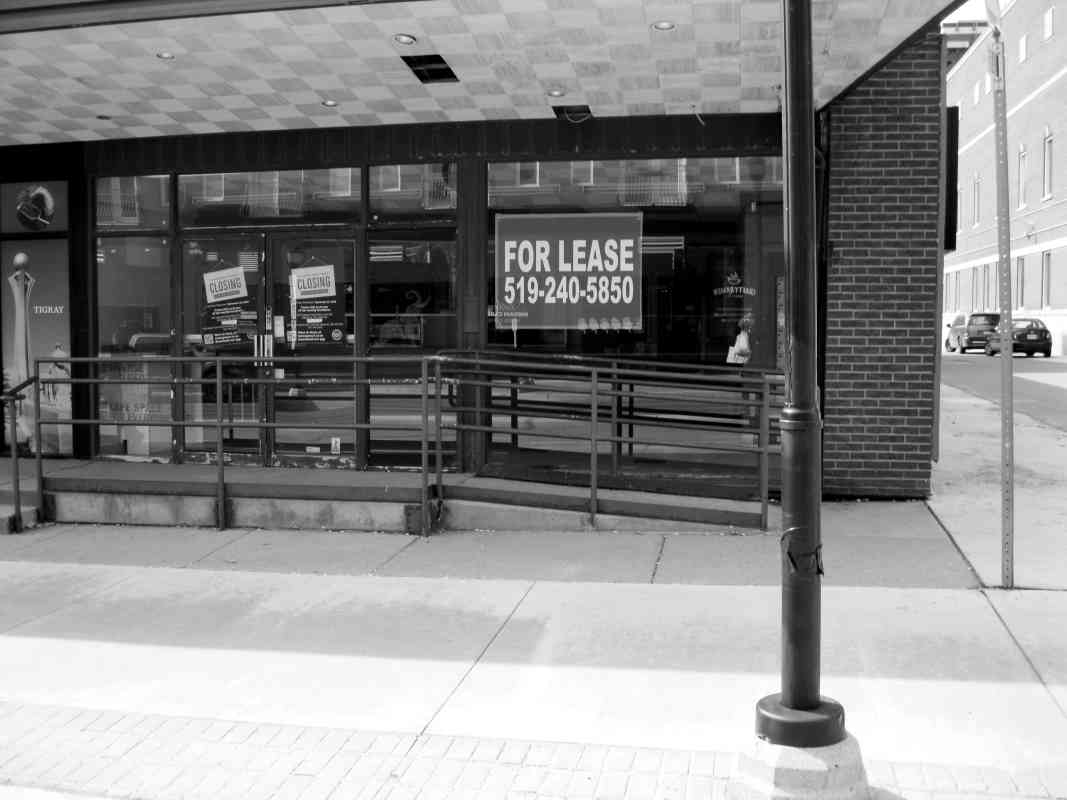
[821, 726]
[773, 772]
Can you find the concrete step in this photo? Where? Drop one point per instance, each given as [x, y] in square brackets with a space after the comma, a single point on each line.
[368, 501]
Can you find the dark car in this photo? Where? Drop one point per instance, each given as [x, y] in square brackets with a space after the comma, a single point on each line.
[966, 332]
[1028, 336]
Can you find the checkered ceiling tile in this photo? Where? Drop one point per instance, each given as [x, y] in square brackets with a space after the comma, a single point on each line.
[272, 70]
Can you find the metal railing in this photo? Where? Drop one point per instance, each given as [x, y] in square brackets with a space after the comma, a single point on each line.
[621, 407]
[11, 400]
[614, 408]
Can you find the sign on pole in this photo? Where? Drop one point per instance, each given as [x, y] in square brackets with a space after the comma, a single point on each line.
[576, 271]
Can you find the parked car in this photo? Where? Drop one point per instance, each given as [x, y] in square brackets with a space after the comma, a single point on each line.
[1028, 336]
[966, 332]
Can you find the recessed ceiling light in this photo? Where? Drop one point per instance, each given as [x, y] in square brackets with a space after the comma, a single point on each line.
[663, 25]
[330, 103]
[556, 92]
[165, 55]
[404, 38]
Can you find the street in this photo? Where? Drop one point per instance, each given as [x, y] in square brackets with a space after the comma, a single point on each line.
[1040, 383]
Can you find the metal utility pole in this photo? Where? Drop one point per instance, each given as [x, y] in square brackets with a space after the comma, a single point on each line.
[799, 716]
[1007, 400]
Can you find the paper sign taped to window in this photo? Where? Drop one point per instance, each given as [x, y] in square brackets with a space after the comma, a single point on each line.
[308, 282]
[225, 284]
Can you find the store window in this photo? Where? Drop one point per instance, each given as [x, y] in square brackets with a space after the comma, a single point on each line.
[134, 319]
[133, 201]
[412, 293]
[238, 198]
[413, 193]
[711, 252]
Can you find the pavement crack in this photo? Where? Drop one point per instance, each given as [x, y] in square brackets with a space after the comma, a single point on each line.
[944, 528]
[477, 660]
[1025, 655]
[403, 549]
[659, 557]
[192, 564]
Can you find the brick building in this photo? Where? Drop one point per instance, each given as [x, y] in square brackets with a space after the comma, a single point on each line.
[184, 157]
[1037, 118]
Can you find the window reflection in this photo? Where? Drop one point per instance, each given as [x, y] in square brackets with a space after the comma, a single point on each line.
[133, 290]
[712, 252]
[412, 293]
[408, 191]
[133, 201]
[702, 184]
[230, 198]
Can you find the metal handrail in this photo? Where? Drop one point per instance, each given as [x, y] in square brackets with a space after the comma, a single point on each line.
[623, 395]
[10, 398]
[489, 373]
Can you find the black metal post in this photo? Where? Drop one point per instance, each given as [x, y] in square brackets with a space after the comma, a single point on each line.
[799, 716]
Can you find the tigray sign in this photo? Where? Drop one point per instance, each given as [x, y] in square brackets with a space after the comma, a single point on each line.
[578, 271]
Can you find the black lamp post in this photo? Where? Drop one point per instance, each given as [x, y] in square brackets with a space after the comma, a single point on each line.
[799, 716]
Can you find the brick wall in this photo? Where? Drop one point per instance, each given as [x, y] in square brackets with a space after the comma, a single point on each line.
[881, 297]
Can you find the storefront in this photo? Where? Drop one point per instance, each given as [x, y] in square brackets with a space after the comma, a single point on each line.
[331, 242]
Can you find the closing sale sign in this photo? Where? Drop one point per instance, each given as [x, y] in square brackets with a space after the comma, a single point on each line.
[578, 271]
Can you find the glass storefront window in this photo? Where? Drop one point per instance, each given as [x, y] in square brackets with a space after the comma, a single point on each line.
[704, 185]
[133, 201]
[711, 252]
[236, 198]
[412, 191]
[134, 319]
[412, 293]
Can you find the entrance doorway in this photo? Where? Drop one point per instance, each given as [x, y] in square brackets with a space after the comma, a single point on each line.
[255, 296]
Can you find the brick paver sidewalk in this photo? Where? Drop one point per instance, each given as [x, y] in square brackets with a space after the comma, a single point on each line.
[155, 757]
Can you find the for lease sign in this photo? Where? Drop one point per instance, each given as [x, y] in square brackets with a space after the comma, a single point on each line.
[579, 271]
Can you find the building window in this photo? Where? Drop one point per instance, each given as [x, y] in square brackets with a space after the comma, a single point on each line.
[528, 173]
[977, 93]
[1046, 279]
[141, 201]
[1046, 165]
[1018, 280]
[1048, 23]
[582, 173]
[1021, 188]
[388, 177]
[1022, 48]
[988, 83]
[976, 200]
[959, 209]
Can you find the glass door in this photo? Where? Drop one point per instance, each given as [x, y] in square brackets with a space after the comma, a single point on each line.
[224, 305]
[311, 316]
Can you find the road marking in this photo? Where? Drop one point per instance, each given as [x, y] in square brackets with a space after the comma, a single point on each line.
[1058, 379]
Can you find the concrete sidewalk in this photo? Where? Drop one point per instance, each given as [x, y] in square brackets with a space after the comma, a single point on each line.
[163, 663]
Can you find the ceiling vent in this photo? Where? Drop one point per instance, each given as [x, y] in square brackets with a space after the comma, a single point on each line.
[572, 113]
[431, 69]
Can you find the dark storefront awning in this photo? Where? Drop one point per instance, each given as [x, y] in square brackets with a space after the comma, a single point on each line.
[141, 69]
